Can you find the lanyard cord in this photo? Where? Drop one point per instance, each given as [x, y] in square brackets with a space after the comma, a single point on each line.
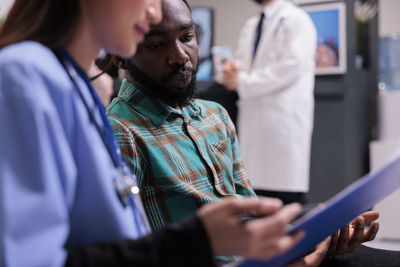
[141, 223]
[125, 183]
[106, 133]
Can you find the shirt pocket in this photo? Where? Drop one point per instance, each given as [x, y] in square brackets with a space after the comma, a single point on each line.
[221, 156]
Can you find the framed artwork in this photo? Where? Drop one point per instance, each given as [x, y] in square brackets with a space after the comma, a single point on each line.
[330, 22]
[203, 18]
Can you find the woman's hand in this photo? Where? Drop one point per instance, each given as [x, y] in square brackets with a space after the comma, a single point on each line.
[259, 238]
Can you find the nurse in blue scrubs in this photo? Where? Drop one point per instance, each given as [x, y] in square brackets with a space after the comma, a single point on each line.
[66, 198]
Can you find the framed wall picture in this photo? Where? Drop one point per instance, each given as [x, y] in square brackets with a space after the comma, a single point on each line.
[330, 22]
[203, 18]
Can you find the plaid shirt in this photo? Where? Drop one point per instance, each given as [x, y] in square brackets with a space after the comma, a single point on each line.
[182, 158]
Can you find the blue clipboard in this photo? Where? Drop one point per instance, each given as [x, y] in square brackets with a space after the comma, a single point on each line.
[338, 211]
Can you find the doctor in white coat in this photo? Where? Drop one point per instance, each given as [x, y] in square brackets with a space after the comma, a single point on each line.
[274, 77]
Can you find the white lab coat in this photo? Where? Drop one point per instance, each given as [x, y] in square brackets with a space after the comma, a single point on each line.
[276, 99]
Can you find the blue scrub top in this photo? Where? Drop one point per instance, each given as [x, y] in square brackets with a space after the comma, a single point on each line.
[56, 176]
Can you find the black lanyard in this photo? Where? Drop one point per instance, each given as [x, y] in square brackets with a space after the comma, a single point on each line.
[125, 184]
[105, 132]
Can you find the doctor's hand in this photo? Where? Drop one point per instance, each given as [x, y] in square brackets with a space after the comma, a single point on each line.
[353, 234]
[260, 238]
[230, 75]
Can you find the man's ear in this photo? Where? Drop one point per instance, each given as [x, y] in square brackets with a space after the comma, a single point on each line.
[120, 62]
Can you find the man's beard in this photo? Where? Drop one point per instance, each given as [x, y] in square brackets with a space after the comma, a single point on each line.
[157, 89]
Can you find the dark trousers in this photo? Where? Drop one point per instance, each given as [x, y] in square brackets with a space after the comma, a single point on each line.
[286, 197]
[364, 256]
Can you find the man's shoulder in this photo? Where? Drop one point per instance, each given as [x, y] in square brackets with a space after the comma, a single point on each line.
[119, 112]
[115, 106]
[251, 22]
[296, 18]
[208, 104]
[294, 12]
[211, 108]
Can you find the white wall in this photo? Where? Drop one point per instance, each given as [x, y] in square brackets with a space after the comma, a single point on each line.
[229, 17]
[389, 22]
[4, 6]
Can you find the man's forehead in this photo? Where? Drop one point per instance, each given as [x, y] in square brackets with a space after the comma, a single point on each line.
[167, 28]
[174, 7]
[176, 16]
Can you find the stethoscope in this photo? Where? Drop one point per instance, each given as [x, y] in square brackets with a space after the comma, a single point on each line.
[275, 14]
[270, 18]
[126, 186]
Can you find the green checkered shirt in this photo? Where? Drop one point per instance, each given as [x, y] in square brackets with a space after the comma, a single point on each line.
[182, 158]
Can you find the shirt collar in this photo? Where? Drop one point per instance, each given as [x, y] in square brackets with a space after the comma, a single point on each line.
[152, 108]
[271, 9]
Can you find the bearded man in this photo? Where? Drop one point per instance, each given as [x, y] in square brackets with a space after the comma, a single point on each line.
[183, 151]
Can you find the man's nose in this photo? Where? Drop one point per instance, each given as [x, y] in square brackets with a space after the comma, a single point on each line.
[178, 55]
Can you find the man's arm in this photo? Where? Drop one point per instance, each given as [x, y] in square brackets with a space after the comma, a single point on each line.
[240, 178]
[129, 149]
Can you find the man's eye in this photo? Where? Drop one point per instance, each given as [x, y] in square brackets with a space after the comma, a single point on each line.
[187, 38]
[153, 46]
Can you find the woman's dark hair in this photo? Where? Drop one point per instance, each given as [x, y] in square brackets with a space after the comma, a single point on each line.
[50, 22]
